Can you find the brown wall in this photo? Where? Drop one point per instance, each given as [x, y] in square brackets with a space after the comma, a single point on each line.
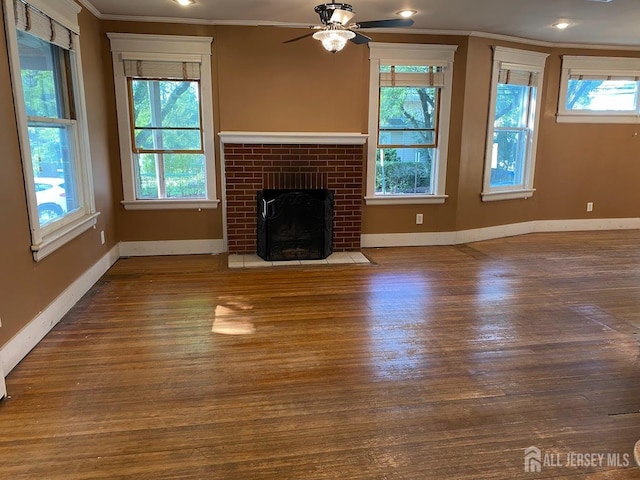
[379, 219]
[27, 287]
[264, 85]
[147, 225]
[261, 84]
[579, 163]
[275, 87]
[471, 211]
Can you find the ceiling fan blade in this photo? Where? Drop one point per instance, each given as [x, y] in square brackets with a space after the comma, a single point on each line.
[360, 39]
[299, 38]
[341, 16]
[396, 22]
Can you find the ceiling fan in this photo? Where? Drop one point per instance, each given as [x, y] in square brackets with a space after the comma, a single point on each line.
[336, 28]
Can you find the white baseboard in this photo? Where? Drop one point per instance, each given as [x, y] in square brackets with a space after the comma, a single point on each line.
[587, 224]
[172, 247]
[499, 231]
[3, 386]
[23, 342]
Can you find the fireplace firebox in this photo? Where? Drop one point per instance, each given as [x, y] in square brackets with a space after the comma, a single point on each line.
[294, 224]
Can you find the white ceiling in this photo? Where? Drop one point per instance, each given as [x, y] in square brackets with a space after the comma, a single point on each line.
[592, 22]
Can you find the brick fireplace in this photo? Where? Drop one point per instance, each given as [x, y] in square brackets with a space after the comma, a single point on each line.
[256, 161]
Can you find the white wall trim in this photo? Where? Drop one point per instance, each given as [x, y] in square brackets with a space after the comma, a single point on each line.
[499, 231]
[89, 6]
[3, 386]
[412, 31]
[64, 235]
[170, 204]
[161, 47]
[405, 199]
[128, 43]
[324, 138]
[23, 342]
[171, 247]
[31, 334]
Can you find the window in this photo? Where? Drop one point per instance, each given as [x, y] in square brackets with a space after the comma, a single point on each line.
[163, 97]
[410, 98]
[167, 133]
[599, 90]
[513, 124]
[44, 50]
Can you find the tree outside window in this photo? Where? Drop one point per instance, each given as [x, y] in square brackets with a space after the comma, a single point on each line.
[510, 134]
[406, 132]
[50, 126]
[512, 130]
[167, 135]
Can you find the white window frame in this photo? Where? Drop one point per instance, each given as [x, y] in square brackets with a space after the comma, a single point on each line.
[520, 60]
[162, 48]
[48, 238]
[624, 67]
[409, 54]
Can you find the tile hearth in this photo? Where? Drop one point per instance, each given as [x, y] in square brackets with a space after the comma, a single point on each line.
[254, 261]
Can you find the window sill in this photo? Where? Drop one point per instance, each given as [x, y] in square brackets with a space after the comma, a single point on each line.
[57, 239]
[507, 195]
[170, 204]
[405, 199]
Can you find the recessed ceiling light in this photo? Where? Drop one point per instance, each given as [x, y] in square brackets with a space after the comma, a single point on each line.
[185, 3]
[561, 25]
[406, 13]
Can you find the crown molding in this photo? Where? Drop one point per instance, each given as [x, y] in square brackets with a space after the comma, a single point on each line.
[540, 43]
[89, 6]
[411, 31]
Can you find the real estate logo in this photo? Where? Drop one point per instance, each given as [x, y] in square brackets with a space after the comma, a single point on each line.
[532, 460]
[535, 460]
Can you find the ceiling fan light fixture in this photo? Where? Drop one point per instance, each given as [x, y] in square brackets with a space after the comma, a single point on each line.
[406, 13]
[334, 40]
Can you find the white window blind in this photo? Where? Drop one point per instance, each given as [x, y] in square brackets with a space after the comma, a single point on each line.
[433, 78]
[31, 20]
[510, 76]
[162, 69]
[629, 78]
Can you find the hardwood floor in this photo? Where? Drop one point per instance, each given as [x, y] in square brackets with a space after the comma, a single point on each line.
[432, 363]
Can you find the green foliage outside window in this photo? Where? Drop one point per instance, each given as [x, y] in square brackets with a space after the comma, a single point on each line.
[167, 127]
[395, 176]
[51, 127]
[407, 138]
[38, 70]
[511, 130]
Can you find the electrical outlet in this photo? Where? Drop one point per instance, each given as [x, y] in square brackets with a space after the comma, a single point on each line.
[419, 219]
[589, 206]
[102, 240]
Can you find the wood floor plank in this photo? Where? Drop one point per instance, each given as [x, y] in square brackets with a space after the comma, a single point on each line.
[430, 363]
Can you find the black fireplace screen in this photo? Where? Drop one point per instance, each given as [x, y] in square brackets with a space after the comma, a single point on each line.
[295, 224]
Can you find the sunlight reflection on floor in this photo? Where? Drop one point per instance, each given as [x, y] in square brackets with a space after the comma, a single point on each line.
[231, 318]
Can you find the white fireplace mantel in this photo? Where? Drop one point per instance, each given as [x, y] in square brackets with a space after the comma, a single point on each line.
[297, 138]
